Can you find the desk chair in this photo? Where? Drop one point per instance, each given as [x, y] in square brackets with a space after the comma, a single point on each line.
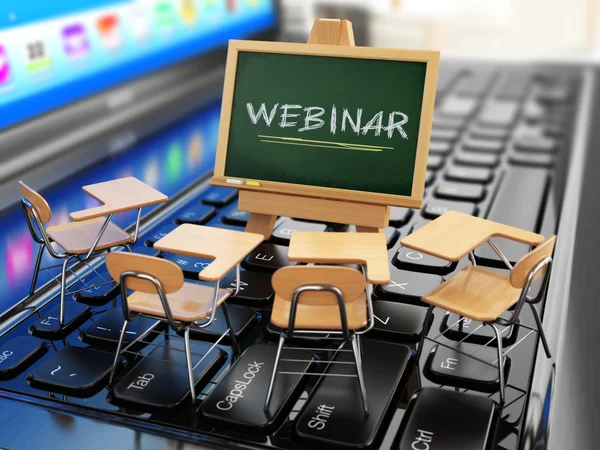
[75, 240]
[187, 304]
[322, 300]
[483, 295]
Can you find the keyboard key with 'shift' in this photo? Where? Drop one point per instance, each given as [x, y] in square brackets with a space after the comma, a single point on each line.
[408, 287]
[334, 414]
[448, 367]
[435, 208]
[460, 191]
[518, 203]
[443, 419]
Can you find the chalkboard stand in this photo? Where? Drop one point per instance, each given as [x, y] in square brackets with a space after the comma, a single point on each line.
[265, 207]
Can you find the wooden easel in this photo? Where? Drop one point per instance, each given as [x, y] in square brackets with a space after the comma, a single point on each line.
[264, 207]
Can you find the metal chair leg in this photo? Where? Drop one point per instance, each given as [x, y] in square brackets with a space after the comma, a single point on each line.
[63, 288]
[36, 270]
[500, 362]
[359, 372]
[540, 328]
[113, 371]
[190, 366]
[234, 344]
[274, 374]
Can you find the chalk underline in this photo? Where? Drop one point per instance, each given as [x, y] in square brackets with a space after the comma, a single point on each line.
[326, 144]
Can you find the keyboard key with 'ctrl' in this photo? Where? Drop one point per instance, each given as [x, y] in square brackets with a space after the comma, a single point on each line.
[442, 419]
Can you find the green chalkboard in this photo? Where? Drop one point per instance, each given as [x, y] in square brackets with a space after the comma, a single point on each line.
[326, 121]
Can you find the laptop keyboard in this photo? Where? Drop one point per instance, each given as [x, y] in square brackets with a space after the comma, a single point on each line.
[497, 134]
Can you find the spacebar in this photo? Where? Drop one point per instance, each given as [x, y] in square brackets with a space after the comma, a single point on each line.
[518, 203]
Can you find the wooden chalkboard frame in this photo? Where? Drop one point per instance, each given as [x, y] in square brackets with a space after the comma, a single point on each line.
[415, 200]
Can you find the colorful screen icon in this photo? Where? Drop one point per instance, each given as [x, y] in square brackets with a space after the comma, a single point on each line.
[4, 67]
[37, 57]
[108, 27]
[189, 13]
[165, 15]
[75, 41]
[139, 26]
[231, 5]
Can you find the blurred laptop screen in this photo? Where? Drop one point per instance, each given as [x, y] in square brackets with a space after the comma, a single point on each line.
[53, 52]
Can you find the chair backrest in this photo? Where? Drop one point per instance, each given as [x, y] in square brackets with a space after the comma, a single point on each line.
[350, 281]
[39, 203]
[167, 272]
[521, 271]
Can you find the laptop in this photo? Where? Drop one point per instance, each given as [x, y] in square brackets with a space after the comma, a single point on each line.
[114, 89]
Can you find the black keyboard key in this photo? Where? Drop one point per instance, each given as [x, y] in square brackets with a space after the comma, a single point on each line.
[219, 196]
[479, 175]
[483, 145]
[450, 368]
[422, 262]
[99, 293]
[471, 331]
[142, 249]
[236, 217]
[443, 419]
[255, 288]
[18, 354]
[457, 106]
[243, 319]
[283, 233]
[409, 287]
[531, 160]
[460, 191]
[518, 203]
[399, 216]
[435, 162]
[218, 223]
[476, 159]
[499, 113]
[106, 329]
[334, 414]
[240, 398]
[48, 327]
[391, 236]
[481, 133]
[196, 214]
[160, 381]
[158, 234]
[534, 143]
[77, 371]
[445, 135]
[435, 208]
[452, 123]
[190, 265]
[268, 257]
[440, 148]
[399, 322]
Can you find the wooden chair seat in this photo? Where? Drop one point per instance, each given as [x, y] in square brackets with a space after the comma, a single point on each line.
[320, 317]
[474, 292]
[78, 237]
[190, 303]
